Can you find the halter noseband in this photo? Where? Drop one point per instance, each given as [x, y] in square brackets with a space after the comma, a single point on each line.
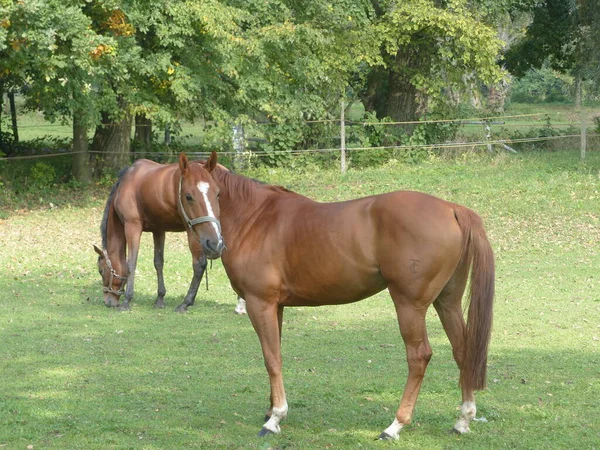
[113, 274]
[197, 220]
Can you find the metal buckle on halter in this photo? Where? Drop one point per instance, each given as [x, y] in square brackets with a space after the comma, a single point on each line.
[113, 274]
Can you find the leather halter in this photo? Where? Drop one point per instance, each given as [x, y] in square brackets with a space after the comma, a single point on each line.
[197, 220]
[113, 274]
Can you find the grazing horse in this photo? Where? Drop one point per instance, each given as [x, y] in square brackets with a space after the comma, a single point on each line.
[284, 249]
[156, 197]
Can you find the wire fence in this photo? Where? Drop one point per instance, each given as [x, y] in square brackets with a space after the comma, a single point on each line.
[239, 147]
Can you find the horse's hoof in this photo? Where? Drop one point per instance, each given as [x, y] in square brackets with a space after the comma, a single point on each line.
[264, 432]
[123, 308]
[181, 309]
[459, 432]
[159, 306]
[386, 437]
[267, 417]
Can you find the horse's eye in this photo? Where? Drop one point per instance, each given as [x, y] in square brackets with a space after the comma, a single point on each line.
[189, 197]
[218, 195]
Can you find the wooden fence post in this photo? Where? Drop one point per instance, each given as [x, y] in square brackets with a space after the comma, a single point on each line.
[579, 105]
[239, 146]
[583, 133]
[343, 137]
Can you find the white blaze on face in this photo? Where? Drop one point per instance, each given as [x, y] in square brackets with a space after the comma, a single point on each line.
[203, 187]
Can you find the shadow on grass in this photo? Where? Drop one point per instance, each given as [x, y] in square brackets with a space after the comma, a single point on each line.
[116, 377]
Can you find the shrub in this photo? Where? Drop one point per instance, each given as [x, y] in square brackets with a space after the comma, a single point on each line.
[542, 85]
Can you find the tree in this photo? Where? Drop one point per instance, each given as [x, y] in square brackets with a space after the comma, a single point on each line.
[427, 48]
[54, 58]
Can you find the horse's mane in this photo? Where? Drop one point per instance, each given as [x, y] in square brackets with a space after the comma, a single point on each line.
[103, 224]
[245, 187]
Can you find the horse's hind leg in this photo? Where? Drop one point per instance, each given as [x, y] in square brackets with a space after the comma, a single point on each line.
[241, 306]
[199, 266]
[411, 318]
[449, 308]
[159, 262]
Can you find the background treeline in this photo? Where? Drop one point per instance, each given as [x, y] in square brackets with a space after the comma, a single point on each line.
[127, 75]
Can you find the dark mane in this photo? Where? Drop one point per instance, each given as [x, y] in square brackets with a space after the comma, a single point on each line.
[111, 196]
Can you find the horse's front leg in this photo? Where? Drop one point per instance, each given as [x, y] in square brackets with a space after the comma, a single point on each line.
[133, 233]
[199, 266]
[159, 262]
[266, 319]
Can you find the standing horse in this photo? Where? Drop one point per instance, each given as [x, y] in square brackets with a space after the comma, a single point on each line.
[287, 250]
[155, 197]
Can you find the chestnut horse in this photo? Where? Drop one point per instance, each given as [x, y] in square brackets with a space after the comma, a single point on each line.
[284, 249]
[156, 197]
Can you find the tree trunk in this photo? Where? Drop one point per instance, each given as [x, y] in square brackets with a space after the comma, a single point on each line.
[13, 116]
[143, 133]
[81, 167]
[401, 104]
[113, 141]
[390, 92]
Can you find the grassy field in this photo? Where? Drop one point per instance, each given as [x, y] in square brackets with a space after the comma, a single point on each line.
[78, 375]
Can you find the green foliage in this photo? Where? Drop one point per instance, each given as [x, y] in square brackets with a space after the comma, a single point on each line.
[29, 177]
[449, 39]
[542, 85]
[42, 175]
[551, 35]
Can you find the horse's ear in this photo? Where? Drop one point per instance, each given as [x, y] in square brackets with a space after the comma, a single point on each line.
[183, 163]
[98, 250]
[211, 163]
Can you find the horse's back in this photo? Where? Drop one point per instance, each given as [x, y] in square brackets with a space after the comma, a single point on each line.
[147, 197]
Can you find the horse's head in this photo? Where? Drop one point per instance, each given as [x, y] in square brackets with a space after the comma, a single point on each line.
[113, 284]
[199, 203]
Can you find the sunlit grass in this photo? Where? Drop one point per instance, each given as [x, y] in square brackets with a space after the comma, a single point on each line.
[78, 375]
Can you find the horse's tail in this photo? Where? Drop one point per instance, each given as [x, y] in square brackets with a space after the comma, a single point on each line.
[110, 206]
[477, 253]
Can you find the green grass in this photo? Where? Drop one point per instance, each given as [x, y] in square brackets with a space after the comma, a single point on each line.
[77, 375]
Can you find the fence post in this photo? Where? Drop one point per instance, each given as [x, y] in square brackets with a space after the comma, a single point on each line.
[488, 135]
[583, 132]
[167, 134]
[343, 137]
[239, 145]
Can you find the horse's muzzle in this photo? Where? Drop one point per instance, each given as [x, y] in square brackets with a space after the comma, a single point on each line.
[213, 249]
[111, 300]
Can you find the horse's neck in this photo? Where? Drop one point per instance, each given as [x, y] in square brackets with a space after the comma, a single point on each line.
[245, 199]
[116, 242]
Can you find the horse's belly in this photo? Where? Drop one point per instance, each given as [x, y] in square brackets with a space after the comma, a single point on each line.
[334, 292]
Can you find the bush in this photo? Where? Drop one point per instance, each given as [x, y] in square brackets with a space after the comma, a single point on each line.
[542, 85]
[42, 175]
[24, 174]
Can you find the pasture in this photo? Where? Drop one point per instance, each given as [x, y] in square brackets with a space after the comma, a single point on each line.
[78, 375]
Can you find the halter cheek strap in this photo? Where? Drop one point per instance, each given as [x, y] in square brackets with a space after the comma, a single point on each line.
[113, 274]
[197, 220]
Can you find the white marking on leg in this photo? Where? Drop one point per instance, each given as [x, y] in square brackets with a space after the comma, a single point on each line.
[277, 416]
[241, 306]
[467, 413]
[394, 429]
[203, 187]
